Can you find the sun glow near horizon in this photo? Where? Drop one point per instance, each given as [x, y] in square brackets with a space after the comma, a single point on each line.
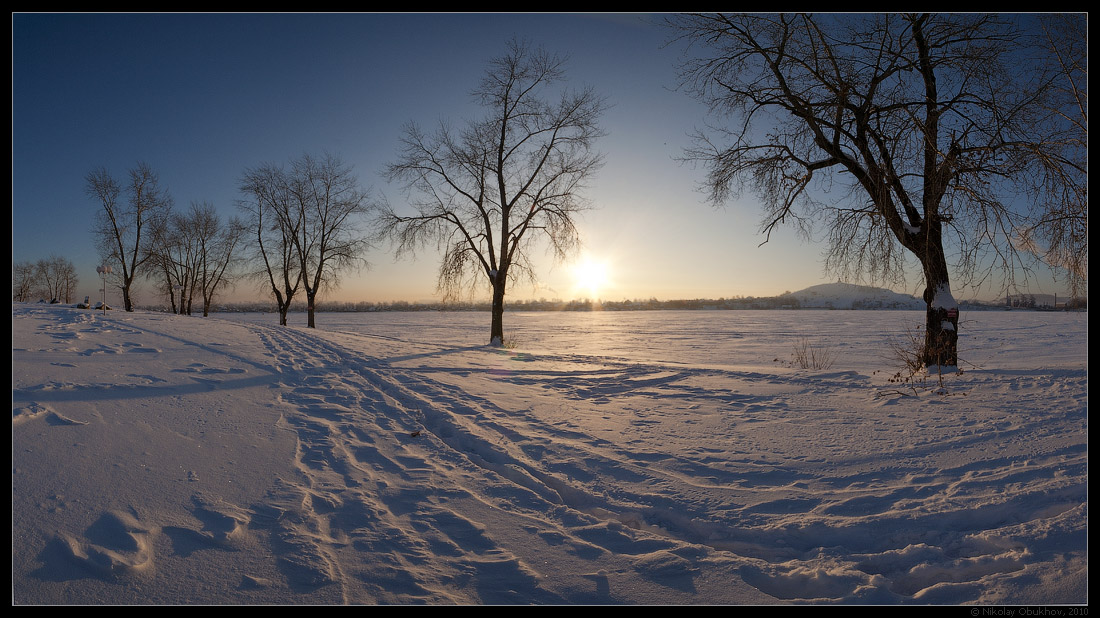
[591, 277]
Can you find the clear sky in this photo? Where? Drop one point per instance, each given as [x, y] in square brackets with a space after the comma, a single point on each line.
[202, 97]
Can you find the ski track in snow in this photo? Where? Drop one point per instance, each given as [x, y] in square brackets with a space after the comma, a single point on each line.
[927, 531]
[411, 473]
[475, 475]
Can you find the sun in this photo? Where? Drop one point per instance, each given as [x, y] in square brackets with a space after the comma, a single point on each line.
[590, 277]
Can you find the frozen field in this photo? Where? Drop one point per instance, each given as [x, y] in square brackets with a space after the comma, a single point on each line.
[649, 457]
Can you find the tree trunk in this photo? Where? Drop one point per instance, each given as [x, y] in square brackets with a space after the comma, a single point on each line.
[941, 336]
[126, 302]
[496, 336]
[309, 299]
[282, 307]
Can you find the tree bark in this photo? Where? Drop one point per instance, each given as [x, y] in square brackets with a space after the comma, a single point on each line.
[496, 336]
[283, 309]
[941, 335]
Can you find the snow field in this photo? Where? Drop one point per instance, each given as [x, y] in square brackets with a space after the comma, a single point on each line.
[668, 457]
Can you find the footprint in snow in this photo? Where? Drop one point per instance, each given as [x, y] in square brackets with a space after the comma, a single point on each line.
[30, 412]
[116, 545]
[223, 523]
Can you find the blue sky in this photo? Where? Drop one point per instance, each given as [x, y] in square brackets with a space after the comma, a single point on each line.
[202, 97]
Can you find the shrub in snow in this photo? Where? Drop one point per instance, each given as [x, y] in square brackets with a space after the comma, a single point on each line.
[811, 356]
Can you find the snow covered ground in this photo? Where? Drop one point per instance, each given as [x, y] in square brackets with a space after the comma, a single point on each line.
[651, 457]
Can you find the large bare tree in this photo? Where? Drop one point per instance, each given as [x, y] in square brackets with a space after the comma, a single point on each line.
[485, 194]
[934, 128]
[315, 212]
[123, 223]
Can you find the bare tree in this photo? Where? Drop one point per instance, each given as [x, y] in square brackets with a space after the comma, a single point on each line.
[331, 206]
[484, 195]
[217, 246]
[194, 253]
[271, 243]
[24, 281]
[64, 277]
[173, 260]
[315, 211]
[67, 279]
[48, 279]
[933, 126]
[55, 278]
[122, 229]
[1060, 231]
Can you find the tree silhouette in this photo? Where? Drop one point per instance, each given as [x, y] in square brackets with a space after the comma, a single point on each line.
[485, 194]
[122, 228]
[310, 216]
[934, 127]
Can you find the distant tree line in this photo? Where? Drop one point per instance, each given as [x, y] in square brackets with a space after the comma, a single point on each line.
[742, 303]
[1029, 301]
[652, 304]
[53, 279]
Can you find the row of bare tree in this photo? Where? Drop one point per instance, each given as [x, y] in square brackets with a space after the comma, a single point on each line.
[52, 278]
[140, 235]
[483, 195]
[959, 135]
[302, 227]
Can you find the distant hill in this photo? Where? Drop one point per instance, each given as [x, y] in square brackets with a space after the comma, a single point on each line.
[849, 296]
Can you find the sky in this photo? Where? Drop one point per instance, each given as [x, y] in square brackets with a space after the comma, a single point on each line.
[200, 98]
